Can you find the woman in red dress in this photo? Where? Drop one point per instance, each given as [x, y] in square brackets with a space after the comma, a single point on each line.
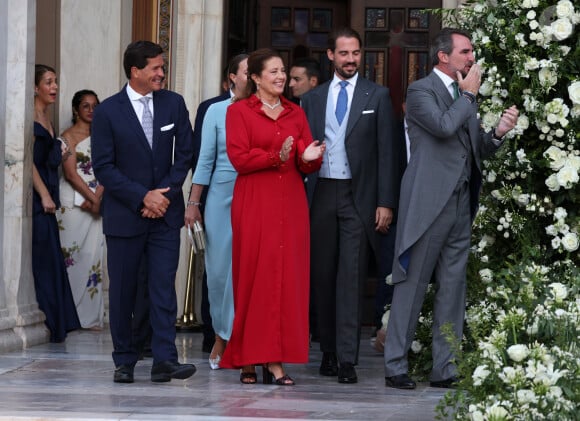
[269, 143]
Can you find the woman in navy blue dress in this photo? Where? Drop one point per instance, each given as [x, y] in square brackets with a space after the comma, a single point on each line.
[53, 291]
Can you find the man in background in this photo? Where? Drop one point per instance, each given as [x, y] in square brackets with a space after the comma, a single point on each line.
[304, 76]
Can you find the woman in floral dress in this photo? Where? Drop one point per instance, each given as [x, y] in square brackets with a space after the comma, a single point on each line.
[82, 235]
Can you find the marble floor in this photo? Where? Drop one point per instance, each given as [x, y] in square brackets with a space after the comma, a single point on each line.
[74, 381]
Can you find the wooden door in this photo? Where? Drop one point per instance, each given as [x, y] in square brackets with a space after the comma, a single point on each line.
[396, 37]
[299, 28]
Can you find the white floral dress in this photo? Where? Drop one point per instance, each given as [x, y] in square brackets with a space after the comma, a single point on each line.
[82, 242]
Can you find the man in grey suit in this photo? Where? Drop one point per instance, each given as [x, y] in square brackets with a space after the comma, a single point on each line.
[439, 199]
[352, 198]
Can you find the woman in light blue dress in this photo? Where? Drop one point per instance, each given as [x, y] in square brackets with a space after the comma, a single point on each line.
[215, 171]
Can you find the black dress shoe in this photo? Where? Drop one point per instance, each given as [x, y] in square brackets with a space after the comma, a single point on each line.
[400, 381]
[167, 370]
[124, 374]
[450, 383]
[347, 373]
[329, 364]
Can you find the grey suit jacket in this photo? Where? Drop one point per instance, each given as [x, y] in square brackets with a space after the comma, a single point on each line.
[370, 148]
[440, 130]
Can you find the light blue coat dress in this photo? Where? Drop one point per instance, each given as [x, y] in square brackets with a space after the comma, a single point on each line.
[215, 170]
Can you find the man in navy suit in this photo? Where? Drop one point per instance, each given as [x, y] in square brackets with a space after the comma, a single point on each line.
[142, 149]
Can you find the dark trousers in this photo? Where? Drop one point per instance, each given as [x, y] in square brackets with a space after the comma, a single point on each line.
[160, 245]
[141, 323]
[338, 270]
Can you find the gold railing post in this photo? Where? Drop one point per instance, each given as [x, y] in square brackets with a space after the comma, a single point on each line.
[195, 270]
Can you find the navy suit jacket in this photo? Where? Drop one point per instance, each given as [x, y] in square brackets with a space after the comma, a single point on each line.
[128, 167]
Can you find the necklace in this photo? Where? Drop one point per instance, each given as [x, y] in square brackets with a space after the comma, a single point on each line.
[272, 107]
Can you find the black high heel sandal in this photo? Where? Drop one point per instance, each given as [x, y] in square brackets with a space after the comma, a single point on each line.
[268, 378]
[248, 377]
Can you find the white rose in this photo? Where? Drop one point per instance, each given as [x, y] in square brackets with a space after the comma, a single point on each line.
[567, 176]
[531, 14]
[518, 352]
[556, 155]
[496, 412]
[556, 243]
[570, 241]
[551, 230]
[574, 162]
[480, 374]
[531, 63]
[486, 275]
[574, 92]
[560, 213]
[552, 183]
[416, 347]
[564, 9]
[490, 120]
[561, 28]
[559, 291]
[486, 88]
[547, 77]
[526, 396]
[523, 123]
[491, 176]
[534, 25]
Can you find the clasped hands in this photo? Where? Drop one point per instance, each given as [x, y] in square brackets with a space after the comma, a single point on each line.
[155, 204]
[312, 152]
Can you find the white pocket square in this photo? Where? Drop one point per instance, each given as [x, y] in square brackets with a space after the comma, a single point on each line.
[368, 111]
[168, 127]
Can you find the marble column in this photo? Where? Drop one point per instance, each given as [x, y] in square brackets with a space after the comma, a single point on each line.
[21, 322]
[93, 38]
[197, 73]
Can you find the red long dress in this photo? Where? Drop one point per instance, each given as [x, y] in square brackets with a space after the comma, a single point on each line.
[271, 235]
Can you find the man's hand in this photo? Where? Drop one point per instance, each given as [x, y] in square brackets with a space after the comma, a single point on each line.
[155, 204]
[508, 121]
[383, 219]
[472, 81]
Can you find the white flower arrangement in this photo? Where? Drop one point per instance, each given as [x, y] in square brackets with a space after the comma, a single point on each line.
[522, 358]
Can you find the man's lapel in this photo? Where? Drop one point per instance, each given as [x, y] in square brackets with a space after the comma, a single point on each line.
[360, 99]
[131, 118]
[442, 91]
[320, 99]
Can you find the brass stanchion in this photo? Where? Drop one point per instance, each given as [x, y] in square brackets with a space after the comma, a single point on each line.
[188, 322]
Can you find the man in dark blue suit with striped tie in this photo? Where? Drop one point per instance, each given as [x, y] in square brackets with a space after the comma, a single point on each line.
[142, 149]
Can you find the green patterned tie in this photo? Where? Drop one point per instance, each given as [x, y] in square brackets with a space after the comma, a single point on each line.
[455, 90]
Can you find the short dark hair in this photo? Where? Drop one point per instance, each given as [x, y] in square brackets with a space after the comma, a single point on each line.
[256, 62]
[311, 65]
[40, 70]
[443, 42]
[137, 54]
[76, 101]
[342, 32]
